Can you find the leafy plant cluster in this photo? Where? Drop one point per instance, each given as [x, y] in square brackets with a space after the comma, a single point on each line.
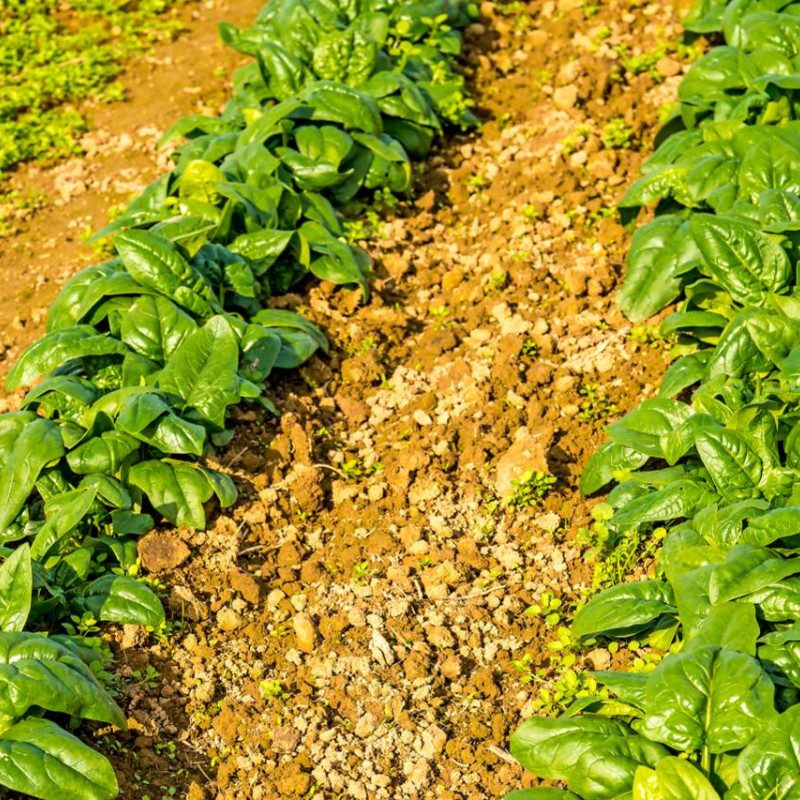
[710, 468]
[146, 354]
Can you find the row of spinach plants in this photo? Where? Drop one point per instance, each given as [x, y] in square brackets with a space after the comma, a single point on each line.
[145, 355]
[712, 463]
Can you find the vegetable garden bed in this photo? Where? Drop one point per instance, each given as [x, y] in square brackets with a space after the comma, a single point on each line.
[314, 656]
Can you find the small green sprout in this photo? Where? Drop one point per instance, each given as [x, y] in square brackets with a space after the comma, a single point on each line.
[616, 135]
[530, 489]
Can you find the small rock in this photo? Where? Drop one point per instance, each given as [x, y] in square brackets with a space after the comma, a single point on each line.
[160, 551]
[366, 725]
[395, 264]
[451, 667]
[440, 637]
[422, 418]
[305, 483]
[528, 453]
[355, 411]
[381, 649]
[438, 580]
[433, 741]
[342, 491]
[196, 792]
[600, 658]
[228, 619]
[565, 97]
[375, 492]
[575, 282]
[183, 602]
[285, 739]
[549, 522]
[246, 585]
[306, 633]
[132, 636]
[668, 67]
[564, 383]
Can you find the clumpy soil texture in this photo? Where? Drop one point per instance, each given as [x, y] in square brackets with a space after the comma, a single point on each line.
[355, 627]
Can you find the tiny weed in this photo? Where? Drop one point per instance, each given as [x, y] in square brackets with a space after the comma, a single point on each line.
[273, 688]
[547, 608]
[356, 468]
[530, 349]
[530, 489]
[616, 135]
[476, 183]
[649, 335]
[362, 573]
[595, 404]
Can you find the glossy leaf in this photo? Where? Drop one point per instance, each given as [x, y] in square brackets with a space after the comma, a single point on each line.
[709, 698]
[41, 759]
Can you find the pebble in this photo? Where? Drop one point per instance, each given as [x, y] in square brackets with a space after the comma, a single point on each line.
[565, 97]
[228, 619]
[305, 632]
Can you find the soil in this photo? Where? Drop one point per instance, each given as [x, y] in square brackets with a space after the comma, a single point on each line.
[355, 627]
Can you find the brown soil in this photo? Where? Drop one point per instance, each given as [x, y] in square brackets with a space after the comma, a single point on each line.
[349, 630]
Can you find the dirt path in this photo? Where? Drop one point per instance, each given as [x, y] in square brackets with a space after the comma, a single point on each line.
[356, 628]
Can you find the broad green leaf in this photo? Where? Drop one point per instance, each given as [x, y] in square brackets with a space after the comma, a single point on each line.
[609, 460]
[65, 395]
[146, 417]
[262, 248]
[769, 767]
[733, 465]
[178, 489]
[122, 599]
[772, 526]
[596, 756]
[644, 428]
[684, 372]
[749, 569]
[57, 348]
[624, 610]
[334, 102]
[679, 499]
[102, 454]
[39, 758]
[629, 687]
[672, 779]
[730, 625]
[705, 16]
[778, 602]
[82, 292]
[16, 586]
[660, 254]
[745, 261]
[37, 445]
[156, 263]
[154, 327]
[203, 371]
[38, 671]
[64, 513]
[707, 697]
